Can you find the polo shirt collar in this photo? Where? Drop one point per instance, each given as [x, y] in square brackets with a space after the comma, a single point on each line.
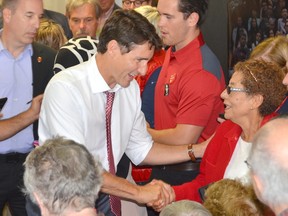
[184, 54]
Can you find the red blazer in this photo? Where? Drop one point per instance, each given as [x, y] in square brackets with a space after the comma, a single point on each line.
[215, 160]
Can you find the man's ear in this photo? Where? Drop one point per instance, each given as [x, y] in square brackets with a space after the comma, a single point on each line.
[193, 19]
[38, 200]
[43, 209]
[113, 47]
[258, 186]
[6, 15]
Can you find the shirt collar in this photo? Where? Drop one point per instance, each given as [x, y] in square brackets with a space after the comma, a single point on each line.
[183, 54]
[101, 85]
[28, 47]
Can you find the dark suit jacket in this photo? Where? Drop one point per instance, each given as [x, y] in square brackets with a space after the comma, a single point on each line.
[42, 67]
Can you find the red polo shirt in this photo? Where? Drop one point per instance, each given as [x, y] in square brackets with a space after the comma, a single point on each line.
[188, 89]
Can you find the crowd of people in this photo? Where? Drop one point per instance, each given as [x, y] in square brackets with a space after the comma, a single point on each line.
[255, 22]
[103, 97]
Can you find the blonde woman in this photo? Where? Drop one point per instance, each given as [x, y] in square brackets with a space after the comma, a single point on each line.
[50, 34]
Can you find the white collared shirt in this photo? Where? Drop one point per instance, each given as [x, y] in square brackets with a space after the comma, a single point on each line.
[74, 107]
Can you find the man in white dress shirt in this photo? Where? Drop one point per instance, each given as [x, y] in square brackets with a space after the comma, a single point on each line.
[74, 107]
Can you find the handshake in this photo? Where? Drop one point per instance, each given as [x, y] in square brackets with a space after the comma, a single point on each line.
[157, 194]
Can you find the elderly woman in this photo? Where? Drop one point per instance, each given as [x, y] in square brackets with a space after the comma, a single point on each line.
[254, 92]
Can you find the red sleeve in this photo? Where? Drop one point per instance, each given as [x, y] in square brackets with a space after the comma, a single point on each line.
[214, 162]
[189, 190]
[200, 95]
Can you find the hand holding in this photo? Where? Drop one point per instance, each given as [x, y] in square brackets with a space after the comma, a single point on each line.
[36, 105]
[168, 196]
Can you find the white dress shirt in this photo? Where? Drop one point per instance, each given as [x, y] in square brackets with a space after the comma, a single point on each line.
[74, 107]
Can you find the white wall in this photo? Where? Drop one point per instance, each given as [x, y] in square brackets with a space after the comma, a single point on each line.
[56, 5]
[59, 5]
[119, 2]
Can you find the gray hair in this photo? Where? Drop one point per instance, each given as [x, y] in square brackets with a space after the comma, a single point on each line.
[64, 175]
[267, 162]
[72, 4]
[185, 208]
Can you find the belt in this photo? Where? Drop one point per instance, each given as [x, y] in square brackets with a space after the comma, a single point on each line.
[14, 157]
[185, 166]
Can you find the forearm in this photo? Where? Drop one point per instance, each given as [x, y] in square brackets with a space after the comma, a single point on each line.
[180, 135]
[9, 127]
[147, 194]
[166, 154]
[189, 190]
[119, 187]
[161, 154]
[165, 136]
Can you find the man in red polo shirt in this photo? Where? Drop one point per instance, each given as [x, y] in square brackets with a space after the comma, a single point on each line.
[187, 95]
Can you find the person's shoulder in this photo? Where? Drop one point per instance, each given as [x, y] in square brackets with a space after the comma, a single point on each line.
[211, 62]
[37, 47]
[228, 128]
[43, 56]
[227, 124]
[86, 43]
[70, 76]
[75, 51]
[116, 7]
[54, 15]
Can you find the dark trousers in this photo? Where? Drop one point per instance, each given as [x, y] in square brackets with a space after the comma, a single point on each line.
[172, 177]
[103, 205]
[11, 183]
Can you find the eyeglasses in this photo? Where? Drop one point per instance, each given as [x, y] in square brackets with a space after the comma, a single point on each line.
[231, 89]
[136, 3]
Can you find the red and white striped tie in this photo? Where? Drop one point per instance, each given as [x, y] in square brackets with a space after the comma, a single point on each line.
[114, 201]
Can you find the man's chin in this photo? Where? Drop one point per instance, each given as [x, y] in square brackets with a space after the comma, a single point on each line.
[82, 35]
[124, 85]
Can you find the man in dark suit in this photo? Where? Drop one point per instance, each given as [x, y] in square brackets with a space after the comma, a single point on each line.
[26, 68]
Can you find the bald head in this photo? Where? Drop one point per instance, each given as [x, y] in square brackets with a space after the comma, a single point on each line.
[274, 135]
[277, 139]
[268, 159]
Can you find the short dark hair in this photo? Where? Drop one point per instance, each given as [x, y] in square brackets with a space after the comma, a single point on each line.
[128, 28]
[188, 7]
